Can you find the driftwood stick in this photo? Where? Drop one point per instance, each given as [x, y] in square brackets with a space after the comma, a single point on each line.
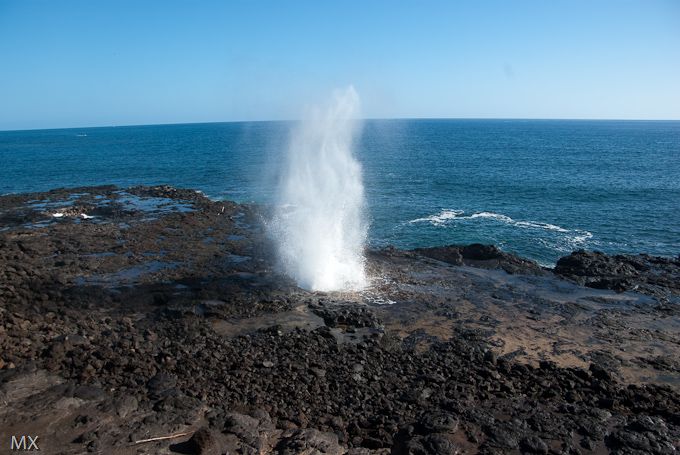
[161, 438]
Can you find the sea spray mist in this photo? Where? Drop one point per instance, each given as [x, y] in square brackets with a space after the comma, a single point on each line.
[319, 224]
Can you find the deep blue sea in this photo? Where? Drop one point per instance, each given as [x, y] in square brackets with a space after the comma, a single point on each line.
[540, 188]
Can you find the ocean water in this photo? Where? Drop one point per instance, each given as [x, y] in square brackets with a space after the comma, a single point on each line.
[539, 188]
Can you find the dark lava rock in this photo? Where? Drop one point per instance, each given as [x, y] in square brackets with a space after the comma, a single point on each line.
[449, 254]
[252, 432]
[437, 444]
[438, 423]
[656, 276]
[89, 393]
[294, 442]
[482, 256]
[203, 442]
[338, 314]
[502, 436]
[79, 319]
[479, 252]
[600, 373]
[126, 405]
[533, 444]
[160, 383]
[643, 433]
[431, 444]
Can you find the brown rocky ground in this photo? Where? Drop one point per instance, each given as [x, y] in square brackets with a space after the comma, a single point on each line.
[152, 312]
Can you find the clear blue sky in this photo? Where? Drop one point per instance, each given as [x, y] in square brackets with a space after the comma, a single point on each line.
[85, 63]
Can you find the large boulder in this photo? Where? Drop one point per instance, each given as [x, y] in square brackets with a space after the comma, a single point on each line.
[482, 256]
[657, 276]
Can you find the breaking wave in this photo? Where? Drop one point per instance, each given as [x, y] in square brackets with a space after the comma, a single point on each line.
[440, 218]
[450, 216]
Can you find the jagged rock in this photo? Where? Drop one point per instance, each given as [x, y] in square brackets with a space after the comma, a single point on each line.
[160, 383]
[484, 256]
[98, 315]
[204, 441]
[309, 442]
[651, 275]
[338, 314]
[438, 423]
[533, 444]
[126, 405]
[253, 432]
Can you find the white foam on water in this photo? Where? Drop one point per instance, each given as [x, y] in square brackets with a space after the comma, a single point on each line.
[581, 237]
[566, 240]
[539, 225]
[319, 224]
[440, 218]
[446, 215]
[495, 216]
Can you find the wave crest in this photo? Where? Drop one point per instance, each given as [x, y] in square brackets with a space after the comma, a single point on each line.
[445, 217]
[440, 218]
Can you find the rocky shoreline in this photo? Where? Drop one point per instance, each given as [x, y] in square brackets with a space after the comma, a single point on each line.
[134, 314]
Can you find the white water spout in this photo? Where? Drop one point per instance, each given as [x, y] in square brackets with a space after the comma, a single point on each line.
[319, 225]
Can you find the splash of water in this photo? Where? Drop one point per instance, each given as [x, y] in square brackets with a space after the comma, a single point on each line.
[320, 226]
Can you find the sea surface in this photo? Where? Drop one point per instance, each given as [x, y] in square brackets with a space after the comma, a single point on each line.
[539, 188]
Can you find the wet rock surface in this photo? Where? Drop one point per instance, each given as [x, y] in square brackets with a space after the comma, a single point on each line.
[157, 323]
[651, 275]
[483, 256]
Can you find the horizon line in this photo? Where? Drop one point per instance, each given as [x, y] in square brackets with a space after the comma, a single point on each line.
[362, 119]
